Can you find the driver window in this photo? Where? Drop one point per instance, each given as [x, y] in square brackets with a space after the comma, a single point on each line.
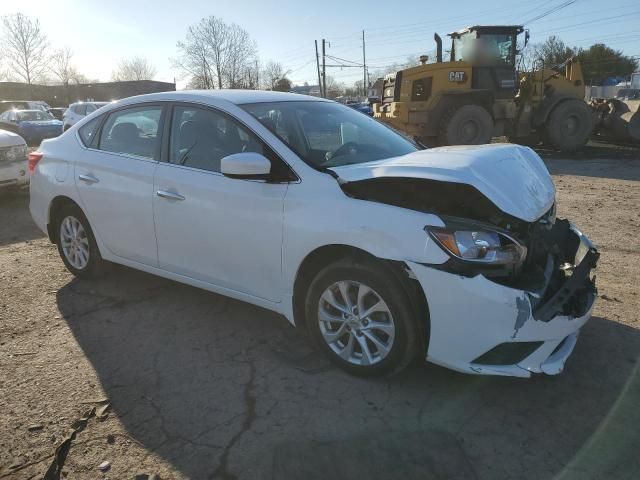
[200, 138]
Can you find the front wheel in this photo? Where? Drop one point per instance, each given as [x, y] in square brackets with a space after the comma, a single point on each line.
[466, 125]
[569, 126]
[360, 316]
[76, 243]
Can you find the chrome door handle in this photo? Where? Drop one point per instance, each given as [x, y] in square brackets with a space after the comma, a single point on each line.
[88, 178]
[169, 195]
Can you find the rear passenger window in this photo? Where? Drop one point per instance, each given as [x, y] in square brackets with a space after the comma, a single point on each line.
[133, 131]
[88, 131]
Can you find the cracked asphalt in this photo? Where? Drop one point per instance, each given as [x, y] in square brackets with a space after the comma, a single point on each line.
[201, 386]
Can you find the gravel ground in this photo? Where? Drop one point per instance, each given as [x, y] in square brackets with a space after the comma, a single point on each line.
[201, 386]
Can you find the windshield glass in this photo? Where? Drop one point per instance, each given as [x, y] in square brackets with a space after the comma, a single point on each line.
[33, 116]
[327, 134]
[486, 49]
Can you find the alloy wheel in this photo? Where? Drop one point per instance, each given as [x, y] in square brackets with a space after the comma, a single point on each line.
[74, 242]
[356, 323]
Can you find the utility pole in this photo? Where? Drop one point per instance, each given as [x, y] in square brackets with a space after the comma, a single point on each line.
[324, 71]
[364, 68]
[318, 67]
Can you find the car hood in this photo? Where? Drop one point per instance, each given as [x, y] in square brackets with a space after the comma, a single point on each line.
[513, 177]
[10, 139]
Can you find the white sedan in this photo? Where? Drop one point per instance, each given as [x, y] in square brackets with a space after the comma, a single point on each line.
[13, 160]
[381, 250]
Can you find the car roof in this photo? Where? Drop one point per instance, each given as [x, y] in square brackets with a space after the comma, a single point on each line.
[87, 103]
[23, 110]
[239, 97]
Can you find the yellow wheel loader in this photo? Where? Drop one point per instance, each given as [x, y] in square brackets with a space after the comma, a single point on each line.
[479, 94]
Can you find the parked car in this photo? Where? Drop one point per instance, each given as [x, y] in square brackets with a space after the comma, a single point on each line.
[380, 250]
[13, 160]
[22, 105]
[78, 111]
[362, 108]
[32, 125]
[57, 112]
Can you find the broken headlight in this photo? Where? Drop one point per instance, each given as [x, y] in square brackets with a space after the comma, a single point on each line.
[479, 246]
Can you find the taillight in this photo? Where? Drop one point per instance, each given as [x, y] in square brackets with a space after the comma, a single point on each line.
[34, 158]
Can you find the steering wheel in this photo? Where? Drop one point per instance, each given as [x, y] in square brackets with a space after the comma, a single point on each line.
[343, 149]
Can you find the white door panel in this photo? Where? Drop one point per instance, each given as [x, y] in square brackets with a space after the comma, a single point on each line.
[220, 230]
[116, 191]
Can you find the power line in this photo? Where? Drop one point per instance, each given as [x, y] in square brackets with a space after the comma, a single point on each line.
[550, 11]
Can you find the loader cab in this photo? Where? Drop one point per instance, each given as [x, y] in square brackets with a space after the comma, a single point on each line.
[491, 50]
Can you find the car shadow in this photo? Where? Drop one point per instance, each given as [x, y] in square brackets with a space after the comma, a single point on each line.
[13, 205]
[223, 389]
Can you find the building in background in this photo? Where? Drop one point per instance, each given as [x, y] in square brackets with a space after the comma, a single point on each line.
[64, 95]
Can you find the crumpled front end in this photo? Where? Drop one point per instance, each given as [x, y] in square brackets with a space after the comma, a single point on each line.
[511, 326]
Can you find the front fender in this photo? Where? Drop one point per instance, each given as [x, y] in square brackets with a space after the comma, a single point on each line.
[384, 231]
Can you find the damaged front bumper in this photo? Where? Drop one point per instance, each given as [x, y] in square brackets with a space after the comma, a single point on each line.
[483, 327]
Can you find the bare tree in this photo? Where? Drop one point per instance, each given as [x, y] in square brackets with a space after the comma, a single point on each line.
[193, 60]
[334, 88]
[217, 54]
[135, 68]
[272, 72]
[60, 65]
[24, 46]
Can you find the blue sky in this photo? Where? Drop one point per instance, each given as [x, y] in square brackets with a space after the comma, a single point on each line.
[100, 33]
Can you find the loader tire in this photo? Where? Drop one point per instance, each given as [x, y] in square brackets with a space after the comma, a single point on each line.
[569, 126]
[466, 125]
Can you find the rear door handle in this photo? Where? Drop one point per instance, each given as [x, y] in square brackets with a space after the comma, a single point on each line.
[169, 195]
[88, 178]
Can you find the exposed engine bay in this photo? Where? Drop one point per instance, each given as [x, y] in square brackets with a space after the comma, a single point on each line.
[556, 261]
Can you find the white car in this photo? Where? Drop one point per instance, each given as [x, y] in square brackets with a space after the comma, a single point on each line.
[77, 111]
[13, 160]
[382, 251]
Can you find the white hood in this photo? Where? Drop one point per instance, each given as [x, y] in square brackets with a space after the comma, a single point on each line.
[514, 178]
[10, 139]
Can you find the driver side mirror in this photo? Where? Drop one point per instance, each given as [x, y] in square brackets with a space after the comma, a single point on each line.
[249, 165]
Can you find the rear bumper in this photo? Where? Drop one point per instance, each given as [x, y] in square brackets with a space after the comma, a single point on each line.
[473, 317]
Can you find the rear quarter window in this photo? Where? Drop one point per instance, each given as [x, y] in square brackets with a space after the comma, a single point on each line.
[89, 130]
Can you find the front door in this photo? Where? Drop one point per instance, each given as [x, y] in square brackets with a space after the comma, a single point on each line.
[209, 227]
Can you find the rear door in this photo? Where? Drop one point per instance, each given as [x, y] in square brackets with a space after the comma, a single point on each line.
[115, 181]
[212, 228]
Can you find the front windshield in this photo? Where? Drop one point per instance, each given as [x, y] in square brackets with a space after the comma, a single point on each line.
[33, 116]
[485, 49]
[328, 134]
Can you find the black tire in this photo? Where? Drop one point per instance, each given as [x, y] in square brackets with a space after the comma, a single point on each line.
[95, 265]
[403, 348]
[569, 126]
[466, 125]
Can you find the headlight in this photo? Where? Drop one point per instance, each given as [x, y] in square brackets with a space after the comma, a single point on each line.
[18, 152]
[479, 246]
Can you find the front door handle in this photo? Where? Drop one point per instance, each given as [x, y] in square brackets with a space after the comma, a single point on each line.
[169, 195]
[88, 178]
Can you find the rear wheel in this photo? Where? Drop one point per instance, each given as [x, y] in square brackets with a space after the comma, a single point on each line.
[569, 126]
[466, 125]
[360, 316]
[76, 243]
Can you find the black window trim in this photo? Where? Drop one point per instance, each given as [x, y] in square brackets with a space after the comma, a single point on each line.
[292, 176]
[95, 142]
